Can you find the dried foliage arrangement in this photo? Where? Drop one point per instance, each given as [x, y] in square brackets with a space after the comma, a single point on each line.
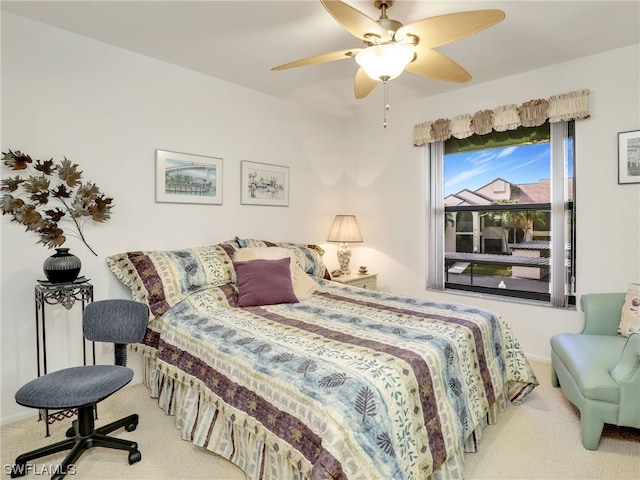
[45, 180]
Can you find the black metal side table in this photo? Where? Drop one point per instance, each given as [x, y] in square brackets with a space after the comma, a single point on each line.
[65, 294]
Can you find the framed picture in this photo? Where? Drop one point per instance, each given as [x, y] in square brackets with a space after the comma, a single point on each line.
[264, 184]
[629, 157]
[187, 178]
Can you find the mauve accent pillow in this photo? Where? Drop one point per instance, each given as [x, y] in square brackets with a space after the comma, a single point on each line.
[264, 282]
[303, 284]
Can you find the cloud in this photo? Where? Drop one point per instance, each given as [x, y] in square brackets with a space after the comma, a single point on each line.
[518, 164]
[505, 152]
[462, 176]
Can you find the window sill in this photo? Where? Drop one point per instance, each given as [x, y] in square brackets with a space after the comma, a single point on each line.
[505, 298]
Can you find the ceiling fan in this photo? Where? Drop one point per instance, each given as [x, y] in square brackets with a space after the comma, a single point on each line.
[391, 48]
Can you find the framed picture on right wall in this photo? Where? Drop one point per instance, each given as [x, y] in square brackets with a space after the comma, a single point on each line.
[264, 184]
[629, 157]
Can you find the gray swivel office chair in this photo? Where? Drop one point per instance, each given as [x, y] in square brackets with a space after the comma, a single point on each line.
[115, 321]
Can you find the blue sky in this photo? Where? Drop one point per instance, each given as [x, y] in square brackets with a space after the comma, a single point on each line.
[472, 170]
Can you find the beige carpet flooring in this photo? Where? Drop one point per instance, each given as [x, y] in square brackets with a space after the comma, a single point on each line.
[539, 439]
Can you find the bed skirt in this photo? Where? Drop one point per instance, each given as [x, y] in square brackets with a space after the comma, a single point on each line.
[207, 421]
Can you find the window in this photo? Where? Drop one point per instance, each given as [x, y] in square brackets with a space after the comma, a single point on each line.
[501, 214]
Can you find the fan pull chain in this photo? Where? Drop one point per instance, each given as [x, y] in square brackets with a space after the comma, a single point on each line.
[386, 103]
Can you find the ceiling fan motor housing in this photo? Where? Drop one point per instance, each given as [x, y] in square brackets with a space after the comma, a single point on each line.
[389, 25]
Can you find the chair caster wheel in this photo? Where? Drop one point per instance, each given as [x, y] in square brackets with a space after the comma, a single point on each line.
[131, 427]
[71, 432]
[134, 457]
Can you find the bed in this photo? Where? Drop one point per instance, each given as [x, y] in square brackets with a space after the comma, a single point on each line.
[293, 376]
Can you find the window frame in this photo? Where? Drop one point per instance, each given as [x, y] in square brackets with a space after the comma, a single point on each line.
[562, 212]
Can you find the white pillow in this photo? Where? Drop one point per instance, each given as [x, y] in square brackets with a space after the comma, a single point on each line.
[303, 285]
[630, 318]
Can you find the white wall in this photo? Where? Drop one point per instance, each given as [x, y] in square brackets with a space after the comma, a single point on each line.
[108, 110]
[389, 174]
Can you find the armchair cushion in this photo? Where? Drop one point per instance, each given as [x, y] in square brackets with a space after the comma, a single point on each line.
[630, 318]
[589, 359]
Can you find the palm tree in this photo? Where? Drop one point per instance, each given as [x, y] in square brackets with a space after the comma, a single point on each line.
[523, 219]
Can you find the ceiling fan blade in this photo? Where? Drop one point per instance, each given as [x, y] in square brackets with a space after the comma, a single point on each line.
[430, 63]
[435, 31]
[354, 21]
[363, 84]
[325, 57]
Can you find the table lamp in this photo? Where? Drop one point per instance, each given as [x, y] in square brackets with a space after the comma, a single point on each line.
[344, 229]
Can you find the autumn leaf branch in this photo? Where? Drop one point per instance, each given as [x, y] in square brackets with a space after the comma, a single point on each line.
[78, 202]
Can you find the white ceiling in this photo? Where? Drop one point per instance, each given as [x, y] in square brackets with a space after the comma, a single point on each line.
[239, 41]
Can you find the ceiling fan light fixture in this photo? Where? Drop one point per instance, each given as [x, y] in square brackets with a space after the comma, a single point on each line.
[387, 61]
[391, 47]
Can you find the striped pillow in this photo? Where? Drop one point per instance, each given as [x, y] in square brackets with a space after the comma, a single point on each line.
[161, 279]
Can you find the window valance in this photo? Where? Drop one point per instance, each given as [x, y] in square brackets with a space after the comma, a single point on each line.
[557, 108]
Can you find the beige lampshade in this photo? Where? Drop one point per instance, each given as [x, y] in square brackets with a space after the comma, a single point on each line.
[345, 228]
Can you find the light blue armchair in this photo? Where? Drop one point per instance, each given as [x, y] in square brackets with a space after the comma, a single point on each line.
[598, 370]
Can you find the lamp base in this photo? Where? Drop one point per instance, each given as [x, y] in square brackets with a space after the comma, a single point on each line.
[344, 257]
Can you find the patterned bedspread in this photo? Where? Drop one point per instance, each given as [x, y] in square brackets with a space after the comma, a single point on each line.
[347, 384]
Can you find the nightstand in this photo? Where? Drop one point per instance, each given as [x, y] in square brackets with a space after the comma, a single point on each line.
[367, 281]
